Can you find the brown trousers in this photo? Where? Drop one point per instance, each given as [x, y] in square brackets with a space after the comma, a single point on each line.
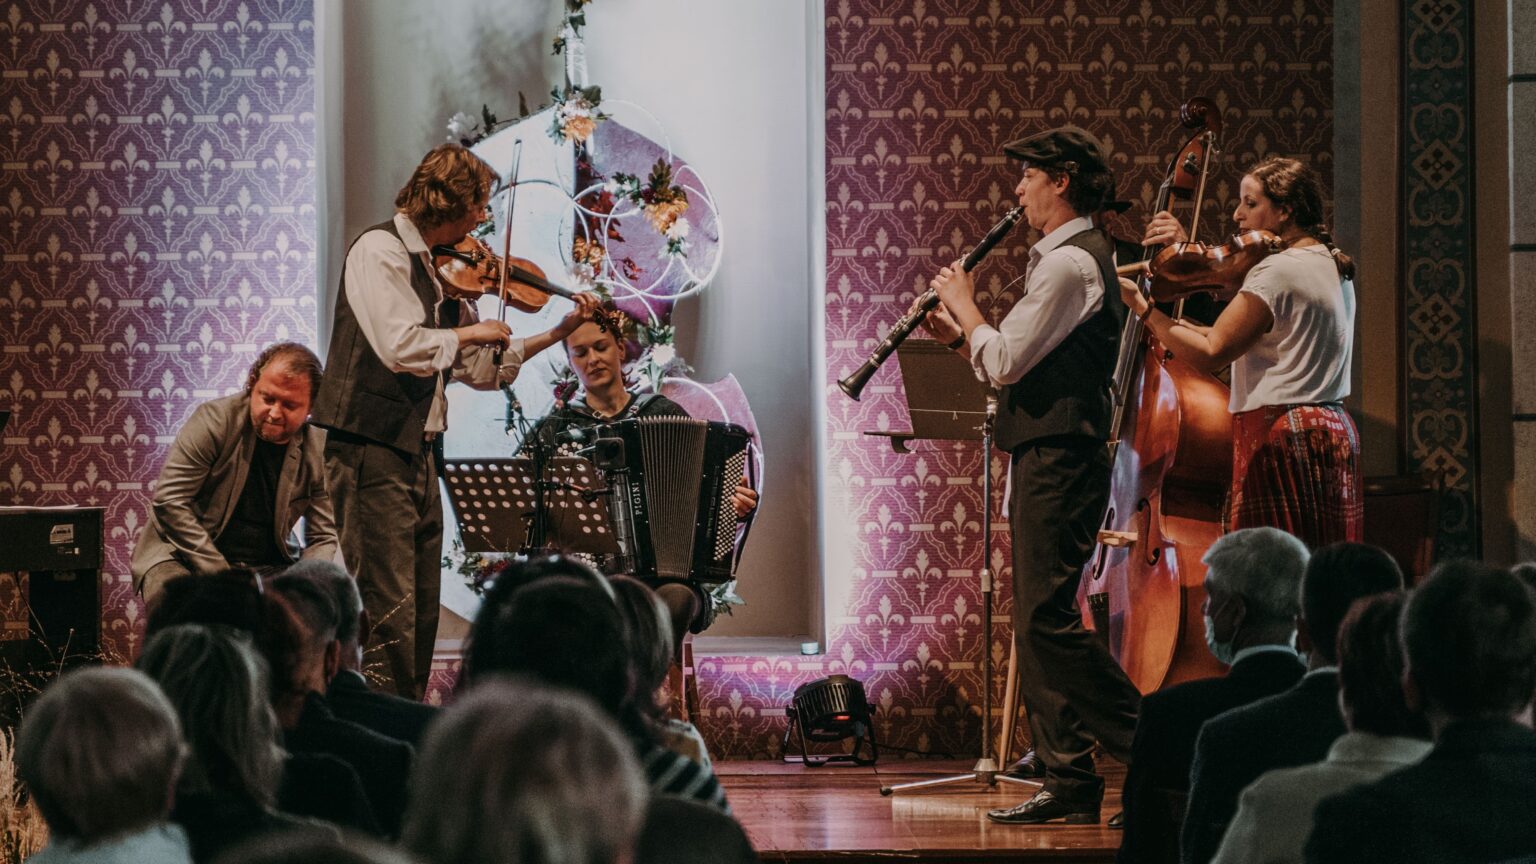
[389, 519]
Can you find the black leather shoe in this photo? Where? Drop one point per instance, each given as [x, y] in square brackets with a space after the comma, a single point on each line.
[1046, 807]
[1029, 766]
[1116, 822]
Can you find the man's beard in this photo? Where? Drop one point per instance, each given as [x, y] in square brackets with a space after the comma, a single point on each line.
[273, 433]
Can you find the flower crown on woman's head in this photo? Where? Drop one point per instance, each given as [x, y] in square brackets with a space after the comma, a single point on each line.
[618, 324]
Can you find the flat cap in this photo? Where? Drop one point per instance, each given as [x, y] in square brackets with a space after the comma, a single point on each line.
[1067, 148]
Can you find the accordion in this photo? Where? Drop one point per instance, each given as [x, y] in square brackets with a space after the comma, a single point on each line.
[669, 504]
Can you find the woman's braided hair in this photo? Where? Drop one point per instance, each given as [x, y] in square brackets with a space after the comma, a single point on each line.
[1295, 187]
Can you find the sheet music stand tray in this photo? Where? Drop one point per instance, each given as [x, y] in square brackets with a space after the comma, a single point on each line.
[493, 503]
[943, 397]
[946, 402]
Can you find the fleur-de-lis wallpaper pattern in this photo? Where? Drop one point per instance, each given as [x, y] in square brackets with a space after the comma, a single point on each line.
[157, 210]
[920, 97]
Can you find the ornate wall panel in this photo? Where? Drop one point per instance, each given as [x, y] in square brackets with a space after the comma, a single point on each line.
[1439, 296]
[920, 97]
[157, 194]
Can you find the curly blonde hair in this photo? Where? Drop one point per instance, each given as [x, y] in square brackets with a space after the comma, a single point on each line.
[449, 183]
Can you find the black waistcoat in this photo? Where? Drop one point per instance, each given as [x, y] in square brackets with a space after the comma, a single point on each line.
[358, 393]
[1068, 391]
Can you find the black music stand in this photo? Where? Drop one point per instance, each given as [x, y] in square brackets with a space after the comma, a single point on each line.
[946, 402]
[494, 499]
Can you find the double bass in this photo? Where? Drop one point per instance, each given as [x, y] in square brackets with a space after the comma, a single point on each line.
[1171, 448]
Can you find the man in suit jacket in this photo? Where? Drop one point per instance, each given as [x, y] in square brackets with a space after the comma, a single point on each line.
[1292, 728]
[349, 695]
[1470, 636]
[241, 472]
[1251, 584]
[383, 764]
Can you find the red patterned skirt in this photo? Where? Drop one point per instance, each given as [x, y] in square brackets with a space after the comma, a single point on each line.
[1297, 468]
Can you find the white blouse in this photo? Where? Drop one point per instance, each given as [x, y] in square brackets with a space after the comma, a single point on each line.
[1305, 356]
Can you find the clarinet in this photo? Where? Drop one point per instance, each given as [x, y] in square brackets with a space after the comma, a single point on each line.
[853, 385]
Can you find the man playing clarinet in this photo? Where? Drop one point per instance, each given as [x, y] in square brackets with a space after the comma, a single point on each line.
[1052, 359]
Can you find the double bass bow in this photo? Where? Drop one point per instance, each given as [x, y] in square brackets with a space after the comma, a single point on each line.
[1171, 444]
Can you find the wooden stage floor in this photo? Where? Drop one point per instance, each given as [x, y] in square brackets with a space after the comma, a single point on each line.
[793, 813]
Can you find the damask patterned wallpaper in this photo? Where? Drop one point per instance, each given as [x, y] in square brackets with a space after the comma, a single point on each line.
[920, 97]
[157, 209]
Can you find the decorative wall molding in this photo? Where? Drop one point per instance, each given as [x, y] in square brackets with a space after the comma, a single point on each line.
[1440, 404]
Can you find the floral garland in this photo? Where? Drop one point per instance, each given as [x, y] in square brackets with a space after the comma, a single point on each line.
[576, 114]
[663, 203]
[659, 360]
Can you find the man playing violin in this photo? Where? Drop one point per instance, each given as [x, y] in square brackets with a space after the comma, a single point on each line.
[1288, 335]
[397, 339]
[596, 351]
[1052, 359]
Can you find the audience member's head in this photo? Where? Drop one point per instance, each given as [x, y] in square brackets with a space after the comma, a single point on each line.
[1526, 572]
[561, 632]
[519, 573]
[1252, 586]
[352, 622]
[318, 620]
[650, 630]
[309, 847]
[1370, 655]
[573, 793]
[217, 684]
[230, 599]
[236, 601]
[1470, 635]
[100, 752]
[1336, 577]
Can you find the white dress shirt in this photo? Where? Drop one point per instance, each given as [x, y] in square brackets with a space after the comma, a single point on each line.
[1062, 289]
[1274, 814]
[378, 280]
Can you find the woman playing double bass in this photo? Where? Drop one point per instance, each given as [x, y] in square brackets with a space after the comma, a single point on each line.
[1288, 335]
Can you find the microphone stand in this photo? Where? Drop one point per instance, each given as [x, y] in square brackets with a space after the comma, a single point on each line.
[536, 540]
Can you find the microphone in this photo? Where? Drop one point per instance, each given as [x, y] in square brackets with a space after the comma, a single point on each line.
[514, 408]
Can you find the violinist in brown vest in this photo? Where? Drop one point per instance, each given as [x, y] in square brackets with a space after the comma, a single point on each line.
[1052, 359]
[396, 341]
[1288, 336]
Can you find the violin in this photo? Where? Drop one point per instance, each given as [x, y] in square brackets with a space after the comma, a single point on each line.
[469, 269]
[1181, 269]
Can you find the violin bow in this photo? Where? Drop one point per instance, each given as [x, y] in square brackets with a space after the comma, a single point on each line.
[506, 238]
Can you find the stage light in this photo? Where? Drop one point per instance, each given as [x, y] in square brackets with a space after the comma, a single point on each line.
[830, 710]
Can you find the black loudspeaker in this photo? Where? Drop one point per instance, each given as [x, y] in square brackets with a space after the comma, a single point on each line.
[50, 597]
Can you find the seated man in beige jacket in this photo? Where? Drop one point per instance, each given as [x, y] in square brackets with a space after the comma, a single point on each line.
[241, 472]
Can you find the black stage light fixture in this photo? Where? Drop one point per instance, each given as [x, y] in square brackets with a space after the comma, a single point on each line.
[830, 710]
